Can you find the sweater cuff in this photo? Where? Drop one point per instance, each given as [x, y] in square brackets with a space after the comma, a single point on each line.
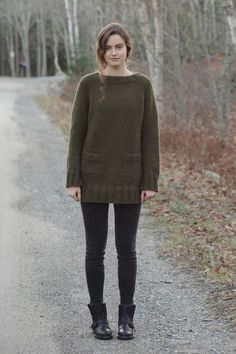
[73, 179]
[149, 182]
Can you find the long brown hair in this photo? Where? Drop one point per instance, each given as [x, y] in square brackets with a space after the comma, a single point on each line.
[102, 39]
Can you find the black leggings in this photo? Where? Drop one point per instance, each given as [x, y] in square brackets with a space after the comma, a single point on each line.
[95, 217]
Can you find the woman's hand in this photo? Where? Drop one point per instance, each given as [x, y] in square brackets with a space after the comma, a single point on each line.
[75, 193]
[145, 195]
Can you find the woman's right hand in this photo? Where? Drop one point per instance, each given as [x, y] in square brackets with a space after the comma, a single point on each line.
[75, 193]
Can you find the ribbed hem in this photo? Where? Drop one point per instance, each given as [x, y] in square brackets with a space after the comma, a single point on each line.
[149, 182]
[73, 179]
[106, 194]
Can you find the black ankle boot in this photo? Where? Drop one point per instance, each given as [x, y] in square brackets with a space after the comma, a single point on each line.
[125, 322]
[100, 325]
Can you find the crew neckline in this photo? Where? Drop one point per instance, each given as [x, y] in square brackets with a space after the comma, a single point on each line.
[119, 78]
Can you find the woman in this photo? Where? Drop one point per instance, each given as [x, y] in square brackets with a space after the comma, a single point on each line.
[113, 157]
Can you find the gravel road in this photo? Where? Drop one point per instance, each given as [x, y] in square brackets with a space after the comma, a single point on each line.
[43, 294]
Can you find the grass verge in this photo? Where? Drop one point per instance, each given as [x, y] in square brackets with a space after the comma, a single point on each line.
[201, 220]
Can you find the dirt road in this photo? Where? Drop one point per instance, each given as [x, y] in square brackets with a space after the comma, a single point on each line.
[43, 294]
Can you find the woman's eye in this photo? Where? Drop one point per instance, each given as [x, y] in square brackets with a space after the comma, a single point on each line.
[119, 47]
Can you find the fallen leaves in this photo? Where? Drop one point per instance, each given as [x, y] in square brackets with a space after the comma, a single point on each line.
[201, 217]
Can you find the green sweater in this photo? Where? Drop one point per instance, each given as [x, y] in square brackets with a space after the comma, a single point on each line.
[113, 150]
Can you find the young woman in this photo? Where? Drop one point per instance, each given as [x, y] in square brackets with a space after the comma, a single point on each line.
[113, 157]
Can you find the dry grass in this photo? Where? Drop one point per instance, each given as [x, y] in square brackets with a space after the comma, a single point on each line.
[201, 148]
[201, 220]
[59, 107]
[58, 110]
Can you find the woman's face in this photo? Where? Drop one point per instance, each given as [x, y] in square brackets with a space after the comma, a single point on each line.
[116, 51]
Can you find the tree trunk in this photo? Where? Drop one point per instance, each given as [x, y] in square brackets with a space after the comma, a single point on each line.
[153, 40]
[158, 54]
[75, 26]
[16, 41]
[11, 50]
[43, 43]
[38, 50]
[231, 18]
[67, 49]
[58, 70]
[70, 28]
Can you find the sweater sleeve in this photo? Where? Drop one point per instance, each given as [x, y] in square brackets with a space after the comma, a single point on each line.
[78, 130]
[150, 142]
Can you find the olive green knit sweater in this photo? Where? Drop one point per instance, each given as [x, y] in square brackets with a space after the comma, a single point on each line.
[113, 150]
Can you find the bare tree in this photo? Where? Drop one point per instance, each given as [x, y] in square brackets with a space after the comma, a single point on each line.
[73, 30]
[22, 12]
[231, 17]
[150, 17]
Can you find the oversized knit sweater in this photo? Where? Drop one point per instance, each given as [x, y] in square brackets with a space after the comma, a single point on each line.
[113, 151]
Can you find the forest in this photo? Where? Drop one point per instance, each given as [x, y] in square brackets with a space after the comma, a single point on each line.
[187, 48]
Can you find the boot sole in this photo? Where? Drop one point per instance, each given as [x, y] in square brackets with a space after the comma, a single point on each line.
[103, 337]
[125, 337]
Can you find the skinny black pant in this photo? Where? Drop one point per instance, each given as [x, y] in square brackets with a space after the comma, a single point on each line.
[95, 217]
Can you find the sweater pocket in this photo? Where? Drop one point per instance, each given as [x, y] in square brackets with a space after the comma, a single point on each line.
[132, 168]
[92, 163]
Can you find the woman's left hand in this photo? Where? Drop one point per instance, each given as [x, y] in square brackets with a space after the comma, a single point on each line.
[145, 195]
